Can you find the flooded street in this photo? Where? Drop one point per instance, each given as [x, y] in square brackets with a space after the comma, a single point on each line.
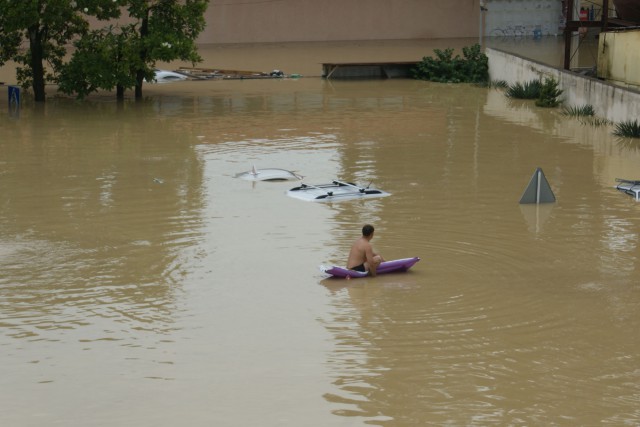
[142, 284]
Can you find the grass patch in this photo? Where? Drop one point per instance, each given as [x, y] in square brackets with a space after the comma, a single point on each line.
[597, 121]
[628, 129]
[582, 111]
[586, 115]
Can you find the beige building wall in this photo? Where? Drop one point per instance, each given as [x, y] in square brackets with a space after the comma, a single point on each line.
[619, 57]
[270, 21]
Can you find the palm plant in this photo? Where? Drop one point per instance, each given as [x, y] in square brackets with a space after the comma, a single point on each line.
[628, 129]
[582, 111]
[528, 90]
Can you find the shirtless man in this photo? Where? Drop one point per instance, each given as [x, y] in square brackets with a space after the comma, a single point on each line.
[361, 256]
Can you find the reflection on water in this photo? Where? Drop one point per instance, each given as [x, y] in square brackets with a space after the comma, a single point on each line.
[94, 211]
[136, 266]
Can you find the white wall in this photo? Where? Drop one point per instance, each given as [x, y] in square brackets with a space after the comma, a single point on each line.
[611, 102]
[522, 17]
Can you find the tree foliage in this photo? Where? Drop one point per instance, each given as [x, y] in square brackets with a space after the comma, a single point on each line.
[473, 67]
[102, 60]
[124, 56]
[36, 34]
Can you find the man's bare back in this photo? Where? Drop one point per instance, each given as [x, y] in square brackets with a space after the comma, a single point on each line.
[361, 256]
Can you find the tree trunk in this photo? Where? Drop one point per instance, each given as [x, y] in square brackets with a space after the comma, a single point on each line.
[139, 80]
[37, 52]
[144, 32]
[120, 93]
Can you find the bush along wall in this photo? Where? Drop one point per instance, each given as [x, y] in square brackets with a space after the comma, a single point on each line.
[549, 94]
[473, 67]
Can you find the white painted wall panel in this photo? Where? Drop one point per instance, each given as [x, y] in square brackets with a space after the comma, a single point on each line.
[512, 18]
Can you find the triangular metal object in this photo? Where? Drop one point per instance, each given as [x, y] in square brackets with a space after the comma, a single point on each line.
[538, 190]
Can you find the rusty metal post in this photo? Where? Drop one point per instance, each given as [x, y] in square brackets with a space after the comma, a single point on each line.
[568, 28]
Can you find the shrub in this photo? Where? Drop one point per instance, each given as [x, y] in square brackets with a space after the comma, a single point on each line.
[586, 115]
[549, 94]
[583, 111]
[475, 66]
[446, 68]
[528, 90]
[628, 129]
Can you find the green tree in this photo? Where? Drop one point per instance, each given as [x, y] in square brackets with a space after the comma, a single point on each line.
[102, 60]
[125, 56]
[36, 32]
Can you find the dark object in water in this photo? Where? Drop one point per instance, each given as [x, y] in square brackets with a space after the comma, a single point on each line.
[628, 10]
[629, 187]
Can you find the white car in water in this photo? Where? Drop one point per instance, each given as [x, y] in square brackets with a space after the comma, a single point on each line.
[164, 76]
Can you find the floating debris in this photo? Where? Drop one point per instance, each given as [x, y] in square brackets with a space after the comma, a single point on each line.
[197, 73]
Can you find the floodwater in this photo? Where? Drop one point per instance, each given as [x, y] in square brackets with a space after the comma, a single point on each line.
[141, 284]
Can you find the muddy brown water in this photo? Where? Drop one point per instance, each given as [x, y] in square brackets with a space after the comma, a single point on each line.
[141, 284]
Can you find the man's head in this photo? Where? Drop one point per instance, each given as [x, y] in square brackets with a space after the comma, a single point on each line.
[367, 230]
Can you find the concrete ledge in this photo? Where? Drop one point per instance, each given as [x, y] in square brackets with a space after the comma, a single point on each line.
[609, 101]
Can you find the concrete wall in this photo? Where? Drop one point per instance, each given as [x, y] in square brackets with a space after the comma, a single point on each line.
[269, 21]
[609, 101]
[276, 21]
